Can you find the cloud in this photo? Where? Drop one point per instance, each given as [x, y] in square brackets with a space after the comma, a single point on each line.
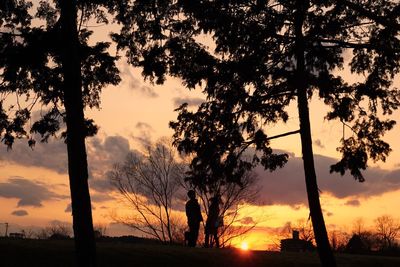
[101, 184]
[287, 185]
[247, 220]
[29, 193]
[101, 198]
[51, 155]
[68, 209]
[318, 143]
[144, 135]
[129, 81]
[148, 91]
[19, 213]
[143, 125]
[191, 101]
[102, 155]
[353, 202]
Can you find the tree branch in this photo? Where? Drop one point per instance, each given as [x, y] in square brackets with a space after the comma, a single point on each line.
[387, 21]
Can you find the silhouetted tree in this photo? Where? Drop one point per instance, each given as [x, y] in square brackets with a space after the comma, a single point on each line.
[368, 237]
[149, 183]
[56, 230]
[51, 63]
[358, 226]
[387, 230]
[338, 240]
[266, 54]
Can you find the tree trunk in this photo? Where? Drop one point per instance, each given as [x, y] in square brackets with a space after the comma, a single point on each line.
[77, 161]
[324, 250]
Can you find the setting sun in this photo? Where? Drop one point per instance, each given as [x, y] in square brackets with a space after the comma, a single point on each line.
[244, 246]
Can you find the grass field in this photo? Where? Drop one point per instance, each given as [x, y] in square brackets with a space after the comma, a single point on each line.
[45, 253]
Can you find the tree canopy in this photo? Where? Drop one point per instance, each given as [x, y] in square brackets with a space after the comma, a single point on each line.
[264, 55]
[250, 76]
[31, 46]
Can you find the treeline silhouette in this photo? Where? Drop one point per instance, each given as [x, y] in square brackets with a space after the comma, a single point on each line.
[379, 238]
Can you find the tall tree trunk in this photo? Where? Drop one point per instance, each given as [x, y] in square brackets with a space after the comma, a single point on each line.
[324, 250]
[77, 160]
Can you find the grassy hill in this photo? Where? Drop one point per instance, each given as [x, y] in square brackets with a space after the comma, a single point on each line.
[45, 253]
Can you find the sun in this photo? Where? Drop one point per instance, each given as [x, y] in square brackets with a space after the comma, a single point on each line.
[244, 246]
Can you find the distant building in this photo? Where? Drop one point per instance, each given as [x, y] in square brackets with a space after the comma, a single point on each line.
[17, 235]
[295, 244]
[357, 245]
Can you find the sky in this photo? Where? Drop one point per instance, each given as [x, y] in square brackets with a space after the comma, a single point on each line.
[34, 188]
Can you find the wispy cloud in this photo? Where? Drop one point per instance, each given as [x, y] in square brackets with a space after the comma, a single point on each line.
[191, 101]
[131, 82]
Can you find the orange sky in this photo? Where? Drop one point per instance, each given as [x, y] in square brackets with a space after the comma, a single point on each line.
[34, 184]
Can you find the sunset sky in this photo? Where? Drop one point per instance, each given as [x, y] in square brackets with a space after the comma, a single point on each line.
[34, 187]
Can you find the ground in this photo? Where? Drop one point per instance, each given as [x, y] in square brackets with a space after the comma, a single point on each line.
[45, 253]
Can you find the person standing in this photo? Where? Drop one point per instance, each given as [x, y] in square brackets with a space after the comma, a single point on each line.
[194, 218]
[212, 223]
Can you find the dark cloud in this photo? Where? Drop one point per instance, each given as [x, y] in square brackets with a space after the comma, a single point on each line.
[247, 220]
[353, 202]
[29, 193]
[51, 155]
[192, 102]
[287, 185]
[102, 184]
[102, 155]
[318, 143]
[19, 213]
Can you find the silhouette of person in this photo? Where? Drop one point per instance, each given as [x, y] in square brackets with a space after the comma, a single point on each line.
[212, 223]
[194, 218]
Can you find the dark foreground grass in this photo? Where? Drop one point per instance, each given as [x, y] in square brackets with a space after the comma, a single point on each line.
[45, 253]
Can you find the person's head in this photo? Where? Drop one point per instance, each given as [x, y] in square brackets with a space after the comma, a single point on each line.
[191, 194]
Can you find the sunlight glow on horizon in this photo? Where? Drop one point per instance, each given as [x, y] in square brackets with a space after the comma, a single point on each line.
[244, 246]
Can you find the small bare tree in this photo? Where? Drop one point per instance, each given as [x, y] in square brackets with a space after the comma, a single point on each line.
[387, 230]
[29, 233]
[148, 182]
[358, 226]
[56, 230]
